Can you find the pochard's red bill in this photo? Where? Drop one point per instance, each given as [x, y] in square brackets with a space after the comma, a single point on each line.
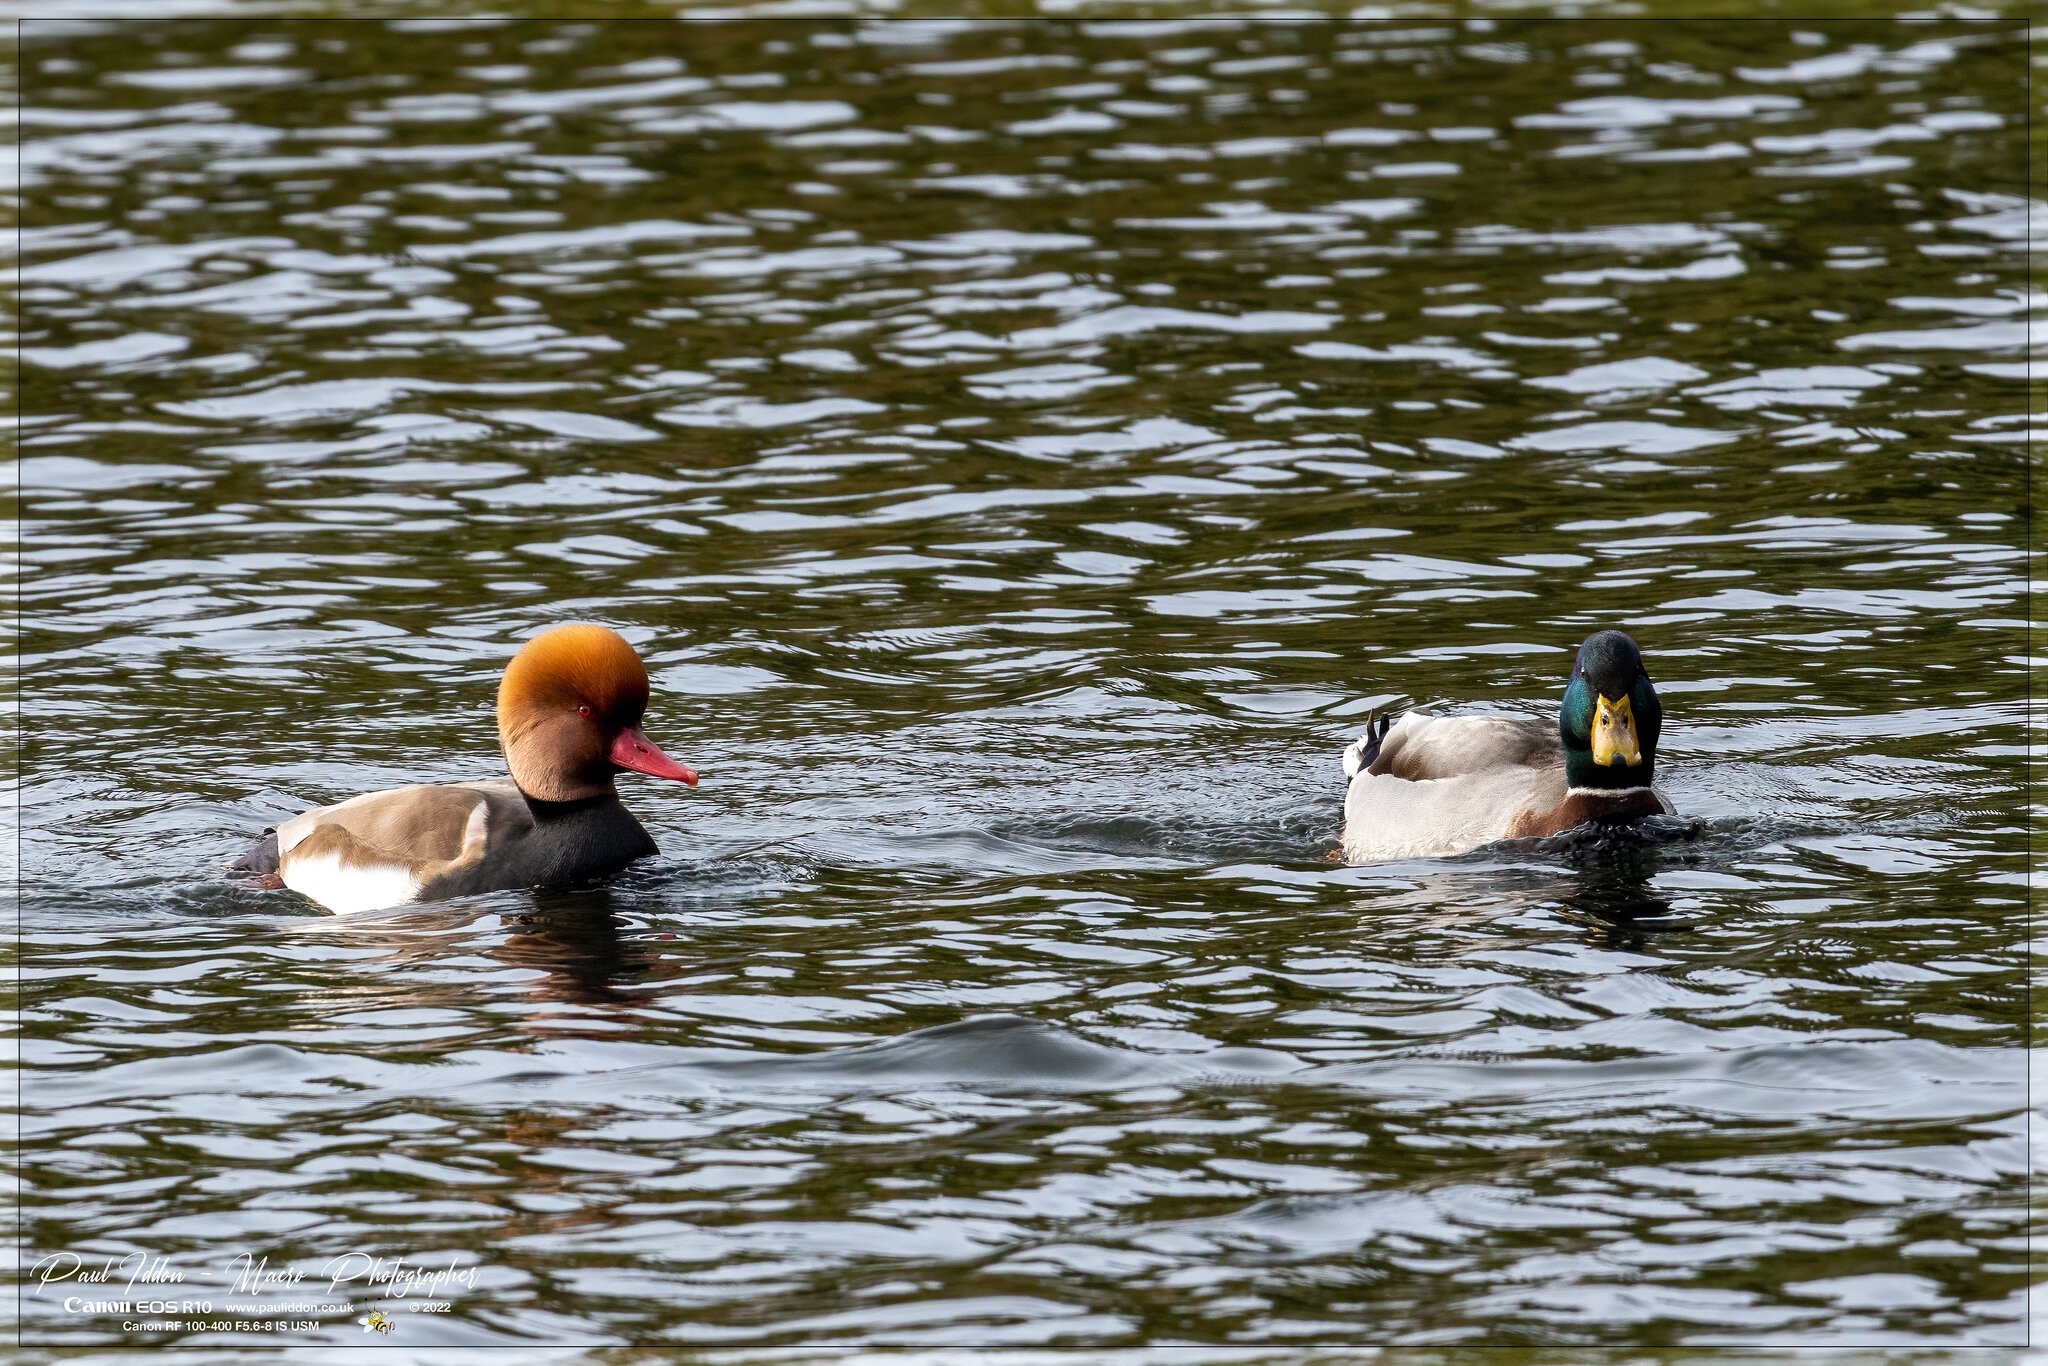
[635, 751]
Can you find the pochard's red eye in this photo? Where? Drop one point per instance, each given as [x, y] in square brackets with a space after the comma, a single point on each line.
[583, 710]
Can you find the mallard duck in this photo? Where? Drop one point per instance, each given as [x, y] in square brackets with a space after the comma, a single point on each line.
[1428, 784]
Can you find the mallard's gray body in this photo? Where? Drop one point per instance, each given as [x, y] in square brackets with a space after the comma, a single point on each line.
[1430, 785]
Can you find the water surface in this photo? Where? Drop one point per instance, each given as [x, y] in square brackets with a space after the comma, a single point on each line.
[1023, 453]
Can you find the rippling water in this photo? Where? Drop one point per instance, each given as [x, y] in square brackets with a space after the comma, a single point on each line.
[1023, 453]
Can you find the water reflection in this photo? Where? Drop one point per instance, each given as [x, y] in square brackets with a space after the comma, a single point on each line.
[575, 941]
[1614, 895]
[1023, 453]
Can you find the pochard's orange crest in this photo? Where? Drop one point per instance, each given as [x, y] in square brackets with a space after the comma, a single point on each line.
[572, 666]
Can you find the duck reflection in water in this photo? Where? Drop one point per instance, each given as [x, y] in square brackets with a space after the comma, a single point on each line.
[576, 940]
[573, 947]
[1609, 888]
[1600, 877]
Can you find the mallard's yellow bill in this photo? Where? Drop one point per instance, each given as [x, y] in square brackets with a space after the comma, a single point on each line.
[1614, 734]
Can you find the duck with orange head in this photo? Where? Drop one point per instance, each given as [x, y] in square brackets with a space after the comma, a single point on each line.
[569, 712]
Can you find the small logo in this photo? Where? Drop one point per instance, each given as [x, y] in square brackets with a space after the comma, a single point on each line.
[375, 1322]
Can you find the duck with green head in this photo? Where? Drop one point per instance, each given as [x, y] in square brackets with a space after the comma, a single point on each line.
[1429, 784]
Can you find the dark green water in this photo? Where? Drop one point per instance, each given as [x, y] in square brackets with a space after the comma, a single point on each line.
[1023, 453]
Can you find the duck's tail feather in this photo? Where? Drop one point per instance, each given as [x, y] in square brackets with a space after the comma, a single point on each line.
[1360, 753]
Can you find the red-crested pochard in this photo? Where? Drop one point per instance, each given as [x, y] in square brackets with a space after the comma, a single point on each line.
[569, 710]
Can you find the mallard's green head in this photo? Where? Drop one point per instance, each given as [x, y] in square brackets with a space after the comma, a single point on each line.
[1611, 716]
